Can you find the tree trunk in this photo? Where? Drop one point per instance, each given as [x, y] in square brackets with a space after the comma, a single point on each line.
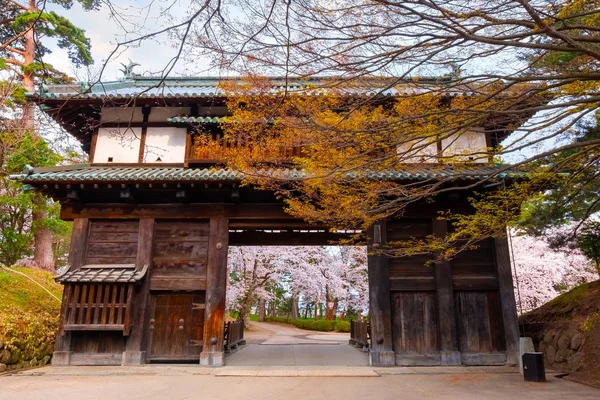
[316, 311]
[261, 310]
[294, 306]
[42, 236]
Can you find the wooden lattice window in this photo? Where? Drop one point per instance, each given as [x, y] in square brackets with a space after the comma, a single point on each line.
[97, 307]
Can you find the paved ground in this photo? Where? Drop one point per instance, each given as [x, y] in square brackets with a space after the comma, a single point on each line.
[193, 382]
[273, 344]
[239, 380]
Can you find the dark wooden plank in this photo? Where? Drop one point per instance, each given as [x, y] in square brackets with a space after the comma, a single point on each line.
[137, 342]
[507, 300]
[93, 327]
[73, 304]
[105, 303]
[98, 304]
[175, 283]
[188, 249]
[110, 226]
[445, 299]
[81, 304]
[414, 322]
[99, 250]
[78, 243]
[122, 302]
[93, 146]
[216, 276]
[475, 283]
[113, 237]
[64, 307]
[127, 316]
[108, 261]
[96, 359]
[382, 352]
[113, 304]
[90, 304]
[413, 284]
[116, 211]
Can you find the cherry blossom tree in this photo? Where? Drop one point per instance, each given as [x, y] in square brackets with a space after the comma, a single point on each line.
[542, 273]
[308, 275]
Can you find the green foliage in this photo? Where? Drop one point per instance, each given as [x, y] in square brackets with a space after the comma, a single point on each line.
[53, 25]
[589, 242]
[589, 322]
[567, 302]
[322, 325]
[28, 314]
[16, 205]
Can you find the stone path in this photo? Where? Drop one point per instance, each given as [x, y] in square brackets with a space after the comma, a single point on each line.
[273, 344]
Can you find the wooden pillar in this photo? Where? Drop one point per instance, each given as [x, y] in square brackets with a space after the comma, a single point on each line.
[450, 354]
[382, 352]
[507, 300]
[62, 346]
[135, 349]
[216, 280]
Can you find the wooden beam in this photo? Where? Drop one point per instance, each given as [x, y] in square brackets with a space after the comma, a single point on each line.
[507, 300]
[146, 113]
[177, 210]
[216, 280]
[93, 146]
[135, 348]
[62, 346]
[382, 352]
[261, 238]
[450, 354]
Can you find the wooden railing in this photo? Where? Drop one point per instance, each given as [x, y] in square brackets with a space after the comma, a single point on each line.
[210, 149]
[97, 307]
[234, 334]
[360, 333]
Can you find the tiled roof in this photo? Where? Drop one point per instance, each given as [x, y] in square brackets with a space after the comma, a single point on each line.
[193, 87]
[118, 273]
[121, 174]
[180, 120]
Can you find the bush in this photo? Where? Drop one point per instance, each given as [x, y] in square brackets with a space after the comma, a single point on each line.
[321, 325]
[28, 337]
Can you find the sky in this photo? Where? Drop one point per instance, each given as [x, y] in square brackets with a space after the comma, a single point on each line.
[105, 31]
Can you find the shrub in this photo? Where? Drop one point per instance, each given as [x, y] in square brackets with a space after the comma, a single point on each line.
[321, 325]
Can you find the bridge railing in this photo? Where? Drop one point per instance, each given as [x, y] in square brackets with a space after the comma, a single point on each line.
[234, 334]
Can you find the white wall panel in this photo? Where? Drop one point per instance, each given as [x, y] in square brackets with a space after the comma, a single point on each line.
[117, 145]
[167, 143]
[466, 147]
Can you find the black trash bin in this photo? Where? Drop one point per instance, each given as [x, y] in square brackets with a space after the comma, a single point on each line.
[533, 367]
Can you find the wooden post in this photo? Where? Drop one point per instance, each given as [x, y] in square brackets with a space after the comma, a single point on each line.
[507, 300]
[450, 354]
[382, 352]
[135, 349]
[62, 346]
[216, 279]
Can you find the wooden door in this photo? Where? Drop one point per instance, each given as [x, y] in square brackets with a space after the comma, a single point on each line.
[176, 326]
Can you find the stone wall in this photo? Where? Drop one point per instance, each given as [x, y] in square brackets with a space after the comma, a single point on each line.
[18, 357]
[561, 346]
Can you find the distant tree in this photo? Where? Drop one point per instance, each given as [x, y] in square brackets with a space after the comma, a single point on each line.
[542, 272]
[26, 28]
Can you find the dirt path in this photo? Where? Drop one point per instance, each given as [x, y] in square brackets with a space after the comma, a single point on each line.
[273, 333]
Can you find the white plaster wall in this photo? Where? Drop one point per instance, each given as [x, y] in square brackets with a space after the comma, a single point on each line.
[121, 114]
[122, 144]
[168, 143]
[417, 152]
[463, 147]
[161, 114]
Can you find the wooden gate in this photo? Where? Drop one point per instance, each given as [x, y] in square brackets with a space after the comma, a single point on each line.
[176, 326]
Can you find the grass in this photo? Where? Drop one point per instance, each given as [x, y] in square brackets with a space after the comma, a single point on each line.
[567, 302]
[322, 325]
[18, 292]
